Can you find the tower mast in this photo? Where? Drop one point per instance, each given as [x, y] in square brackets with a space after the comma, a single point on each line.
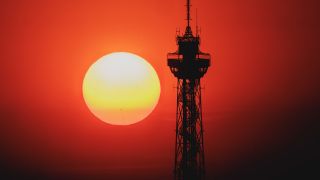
[188, 64]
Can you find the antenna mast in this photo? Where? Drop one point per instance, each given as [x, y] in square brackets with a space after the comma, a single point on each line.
[188, 28]
[188, 12]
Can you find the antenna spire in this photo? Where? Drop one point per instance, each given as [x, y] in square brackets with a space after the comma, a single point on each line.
[188, 12]
[188, 29]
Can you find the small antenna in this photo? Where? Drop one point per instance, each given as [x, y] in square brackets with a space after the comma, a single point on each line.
[178, 32]
[197, 27]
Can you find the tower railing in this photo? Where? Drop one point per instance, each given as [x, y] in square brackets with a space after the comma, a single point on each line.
[179, 57]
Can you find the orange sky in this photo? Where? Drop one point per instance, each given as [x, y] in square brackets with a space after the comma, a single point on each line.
[265, 66]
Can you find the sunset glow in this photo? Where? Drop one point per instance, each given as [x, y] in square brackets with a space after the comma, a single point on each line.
[68, 112]
[121, 88]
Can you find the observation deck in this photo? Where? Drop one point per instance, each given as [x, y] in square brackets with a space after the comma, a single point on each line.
[188, 62]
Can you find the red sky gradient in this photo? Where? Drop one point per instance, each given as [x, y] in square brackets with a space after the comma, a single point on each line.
[260, 97]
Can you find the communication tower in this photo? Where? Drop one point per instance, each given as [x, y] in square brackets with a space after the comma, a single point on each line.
[188, 64]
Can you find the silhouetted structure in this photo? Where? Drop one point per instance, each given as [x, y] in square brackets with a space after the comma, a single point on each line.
[189, 64]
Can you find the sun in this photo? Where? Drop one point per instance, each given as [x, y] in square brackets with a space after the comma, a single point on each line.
[121, 88]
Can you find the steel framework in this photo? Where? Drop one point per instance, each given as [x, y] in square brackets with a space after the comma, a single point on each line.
[189, 64]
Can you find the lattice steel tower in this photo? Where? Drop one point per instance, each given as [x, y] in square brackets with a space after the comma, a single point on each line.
[189, 64]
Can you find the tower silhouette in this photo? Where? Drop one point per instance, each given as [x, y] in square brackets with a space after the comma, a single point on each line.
[189, 65]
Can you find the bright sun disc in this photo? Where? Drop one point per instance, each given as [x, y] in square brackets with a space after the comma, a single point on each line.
[121, 88]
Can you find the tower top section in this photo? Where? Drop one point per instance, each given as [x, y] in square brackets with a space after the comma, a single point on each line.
[188, 62]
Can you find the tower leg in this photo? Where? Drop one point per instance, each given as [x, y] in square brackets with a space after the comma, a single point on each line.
[189, 151]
